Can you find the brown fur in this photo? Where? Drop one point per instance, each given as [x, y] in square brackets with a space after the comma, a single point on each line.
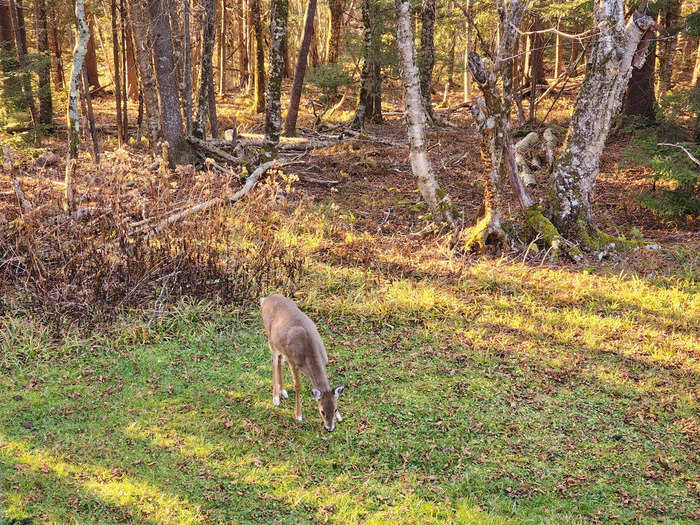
[292, 335]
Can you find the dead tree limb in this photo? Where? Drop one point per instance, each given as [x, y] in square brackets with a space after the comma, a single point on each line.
[249, 184]
[690, 155]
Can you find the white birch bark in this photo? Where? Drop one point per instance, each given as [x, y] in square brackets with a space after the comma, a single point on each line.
[79, 52]
[438, 201]
[598, 102]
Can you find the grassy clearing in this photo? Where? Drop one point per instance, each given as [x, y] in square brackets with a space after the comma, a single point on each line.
[484, 392]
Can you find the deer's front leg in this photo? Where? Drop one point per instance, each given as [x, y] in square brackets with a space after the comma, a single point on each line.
[275, 380]
[280, 372]
[297, 389]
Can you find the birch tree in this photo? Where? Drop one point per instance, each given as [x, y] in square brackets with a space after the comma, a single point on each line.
[73, 121]
[437, 200]
[494, 75]
[613, 52]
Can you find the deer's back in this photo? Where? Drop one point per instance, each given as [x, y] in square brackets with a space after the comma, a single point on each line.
[290, 331]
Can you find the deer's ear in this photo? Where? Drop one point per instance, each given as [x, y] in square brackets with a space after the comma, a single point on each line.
[316, 393]
[337, 391]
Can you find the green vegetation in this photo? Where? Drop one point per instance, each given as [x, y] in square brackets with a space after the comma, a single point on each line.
[483, 392]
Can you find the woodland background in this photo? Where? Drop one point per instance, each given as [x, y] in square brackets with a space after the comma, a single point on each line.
[490, 208]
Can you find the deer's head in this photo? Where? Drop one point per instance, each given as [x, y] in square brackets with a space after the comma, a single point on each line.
[328, 405]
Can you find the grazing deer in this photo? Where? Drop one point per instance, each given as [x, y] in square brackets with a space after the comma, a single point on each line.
[291, 335]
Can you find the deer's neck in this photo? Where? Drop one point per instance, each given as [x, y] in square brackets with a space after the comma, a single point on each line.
[318, 377]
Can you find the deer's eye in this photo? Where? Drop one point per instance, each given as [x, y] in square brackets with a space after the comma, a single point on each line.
[323, 412]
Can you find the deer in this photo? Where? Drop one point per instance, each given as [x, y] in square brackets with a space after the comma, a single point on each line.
[293, 337]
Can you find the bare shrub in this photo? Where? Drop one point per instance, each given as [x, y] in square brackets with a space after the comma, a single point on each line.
[91, 263]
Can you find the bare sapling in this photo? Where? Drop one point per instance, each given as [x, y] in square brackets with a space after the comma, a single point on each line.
[291, 335]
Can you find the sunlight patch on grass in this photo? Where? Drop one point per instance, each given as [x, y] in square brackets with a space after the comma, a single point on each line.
[110, 486]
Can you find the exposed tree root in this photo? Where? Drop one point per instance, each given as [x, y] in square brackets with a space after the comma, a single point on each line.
[593, 239]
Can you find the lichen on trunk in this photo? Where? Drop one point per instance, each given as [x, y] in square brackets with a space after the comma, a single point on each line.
[273, 107]
[608, 71]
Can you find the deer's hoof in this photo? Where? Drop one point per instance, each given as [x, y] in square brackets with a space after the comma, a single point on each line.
[276, 400]
[284, 393]
[298, 418]
[338, 417]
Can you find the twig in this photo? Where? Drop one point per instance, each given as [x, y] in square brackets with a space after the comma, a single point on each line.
[319, 181]
[690, 155]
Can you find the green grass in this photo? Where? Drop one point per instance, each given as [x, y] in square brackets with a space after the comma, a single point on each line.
[485, 393]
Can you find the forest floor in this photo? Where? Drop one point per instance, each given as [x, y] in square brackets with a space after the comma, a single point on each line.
[479, 389]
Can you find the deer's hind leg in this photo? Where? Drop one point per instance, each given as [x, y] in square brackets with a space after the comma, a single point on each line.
[280, 373]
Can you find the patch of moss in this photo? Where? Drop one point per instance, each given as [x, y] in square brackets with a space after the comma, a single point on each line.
[593, 239]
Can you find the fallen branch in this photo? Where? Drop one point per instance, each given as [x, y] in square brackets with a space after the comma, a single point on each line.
[249, 183]
[690, 155]
[304, 178]
[211, 148]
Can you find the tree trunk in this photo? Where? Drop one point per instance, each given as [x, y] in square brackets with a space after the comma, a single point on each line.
[374, 98]
[290, 124]
[59, 77]
[640, 100]
[427, 52]
[179, 151]
[243, 50]
[206, 71]
[91, 61]
[536, 67]
[90, 115]
[124, 35]
[558, 56]
[273, 108]
[313, 50]
[8, 63]
[132, 80]
[696, 69]
[259, 101]
[44, 72]
[221, 48]
[17, 17]
[493, 114]
[79, 53]
[335, 30]
[117, 74]
[609, 69]
[143, 37]
[467, 49]
[667, 47]
[187, 66]
[437, 200]
[358, 122]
